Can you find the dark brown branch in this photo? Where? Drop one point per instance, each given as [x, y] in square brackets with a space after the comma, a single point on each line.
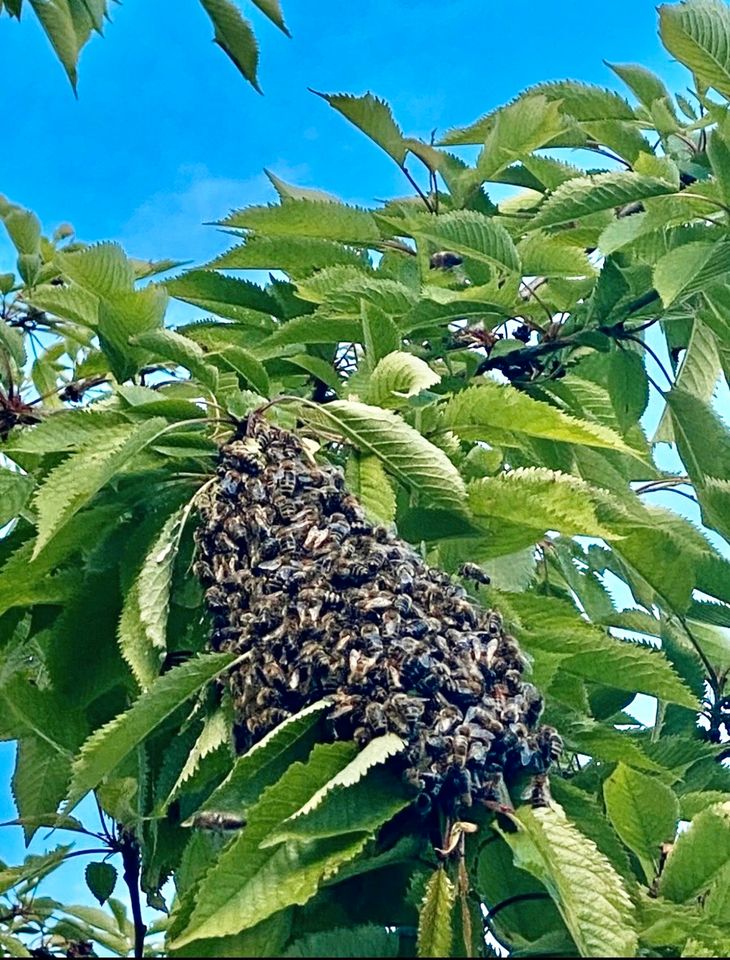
[130, 859]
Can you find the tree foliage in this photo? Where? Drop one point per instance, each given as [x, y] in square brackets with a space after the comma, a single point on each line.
[486, 374]
[69, 25]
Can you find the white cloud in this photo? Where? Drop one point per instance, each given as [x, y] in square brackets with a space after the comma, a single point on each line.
[171, 223]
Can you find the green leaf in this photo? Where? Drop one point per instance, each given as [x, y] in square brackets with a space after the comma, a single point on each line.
[324, 220]
[320, 286]
[499, 414]
[392, 297]
[364, 940]
[267, 760]
[224, 296]
[154, 583]
[110, 744]
[405, 454]
[34, 867]
[582, 101]
[697, 35]
[367, 479]
[143, 659]
[435, 920]
[214, 736]
[309, 329]
[376, 752]
[272, 9]
[247, 883]
[700, 855]
[374, 117]
[72, 303]
[702, 438]
[12, 340]
[380, 332]
[347, 807]
[519, 128]
[668, 553]
[103, 269]
[65, 430]
[546, 256]
[318, 368]
[71, 485]
[247, 366]
[101, 878]
[234, 36]
[690, 268]
[588, 892]
[40, 780]
[397, 377]
[298, 256]
[122, 320]
[24, 229]
[586, 812]
[583, 196]
[15, 489]
[644, 812]
[697, 375]
[168, 345]
[57, 21]
[554, 625]
[718, 153]
[628, 386]
[645, 85]
[470, 234]
[714, 497]
[540, 498]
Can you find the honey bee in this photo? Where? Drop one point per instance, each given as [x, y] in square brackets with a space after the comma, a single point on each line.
[403, 604]
[445, 260]
[247, 453]
[216, 598]
[235, 528]
[415, 628]
[216, 820]
[550, 743]
[285, 507]
[375, 717]
[256, 490]
[286, 477]
[448, 718]
[495, 794]
[539, 792]
[202, 570]
[360, 666]
[230, 483]
[470, 571]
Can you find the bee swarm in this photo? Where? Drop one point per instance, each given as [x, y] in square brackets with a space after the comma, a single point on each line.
[329, 605]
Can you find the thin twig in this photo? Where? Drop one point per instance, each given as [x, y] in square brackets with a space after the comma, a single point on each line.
[611, 156]
[414, 183]
[532, 293]
[681, 493]
[652, 354]
[712, 676]
[517, 898]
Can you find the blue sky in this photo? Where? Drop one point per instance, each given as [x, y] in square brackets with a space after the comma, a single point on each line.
[166, 135]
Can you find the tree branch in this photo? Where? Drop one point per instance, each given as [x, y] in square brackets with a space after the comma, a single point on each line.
[130, 859]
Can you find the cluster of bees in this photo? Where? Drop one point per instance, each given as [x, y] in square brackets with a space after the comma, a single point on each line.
[329, 605]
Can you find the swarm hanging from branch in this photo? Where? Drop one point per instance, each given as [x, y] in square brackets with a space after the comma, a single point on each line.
[330, 605]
